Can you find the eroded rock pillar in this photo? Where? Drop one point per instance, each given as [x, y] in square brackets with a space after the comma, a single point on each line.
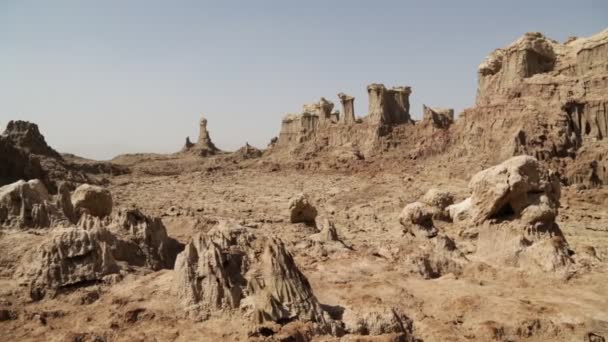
[348, 109]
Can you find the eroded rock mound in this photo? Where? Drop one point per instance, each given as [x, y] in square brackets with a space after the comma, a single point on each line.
[93, 200]
[70, 256]
[137, 239]
[232, 268]
[301, 210]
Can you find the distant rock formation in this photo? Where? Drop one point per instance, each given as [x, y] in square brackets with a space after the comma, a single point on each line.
[204, 146]
[26, 136]
[25, 155]
[316, 128]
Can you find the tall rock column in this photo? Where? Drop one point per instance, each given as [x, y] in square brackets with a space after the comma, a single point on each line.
[325, 108]
[348, 109]
[400, 104]
[378, 105]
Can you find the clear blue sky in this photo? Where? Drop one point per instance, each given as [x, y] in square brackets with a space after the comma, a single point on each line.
[108, 77]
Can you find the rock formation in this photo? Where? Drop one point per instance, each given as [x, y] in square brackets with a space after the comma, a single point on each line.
[388, 106]
[419, 215]
[137, 239]
[301, 210]
[232, 269]
[25, 155]
[513, 206]
[438, 117]
[348, 109]
[68, 257]
[547, 100]
[316, 129]
[27, 136]
[204, 146]
[25, 205]
[248, 152]
[16, 164]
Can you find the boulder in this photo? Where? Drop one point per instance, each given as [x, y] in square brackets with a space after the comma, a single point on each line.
[438, 198]
[515, 206]
[420, 216]
[233, 269]
[93, 200]
[512, 187]
[301, 210]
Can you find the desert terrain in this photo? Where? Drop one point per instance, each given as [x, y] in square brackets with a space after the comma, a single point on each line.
[489, 225]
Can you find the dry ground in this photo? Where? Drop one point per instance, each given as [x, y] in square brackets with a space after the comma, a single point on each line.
[481, 304]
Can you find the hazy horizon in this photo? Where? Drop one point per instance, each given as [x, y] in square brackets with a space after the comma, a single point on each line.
[125, 77]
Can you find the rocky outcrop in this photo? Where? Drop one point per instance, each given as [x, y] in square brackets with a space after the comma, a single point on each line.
[545, 99]
[25, 205]
[440, 118]
[93, 200]
[248, 152]
[301, 210]
[204, 146]
[24, 154]
[232, 269]
[26, 136]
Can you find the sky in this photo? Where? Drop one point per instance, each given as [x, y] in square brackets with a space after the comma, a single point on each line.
[103, 78]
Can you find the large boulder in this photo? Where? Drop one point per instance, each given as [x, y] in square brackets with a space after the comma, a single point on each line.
[232, 269]
[513, 207]
[301, 210]
[93, 200]
[518, 187]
